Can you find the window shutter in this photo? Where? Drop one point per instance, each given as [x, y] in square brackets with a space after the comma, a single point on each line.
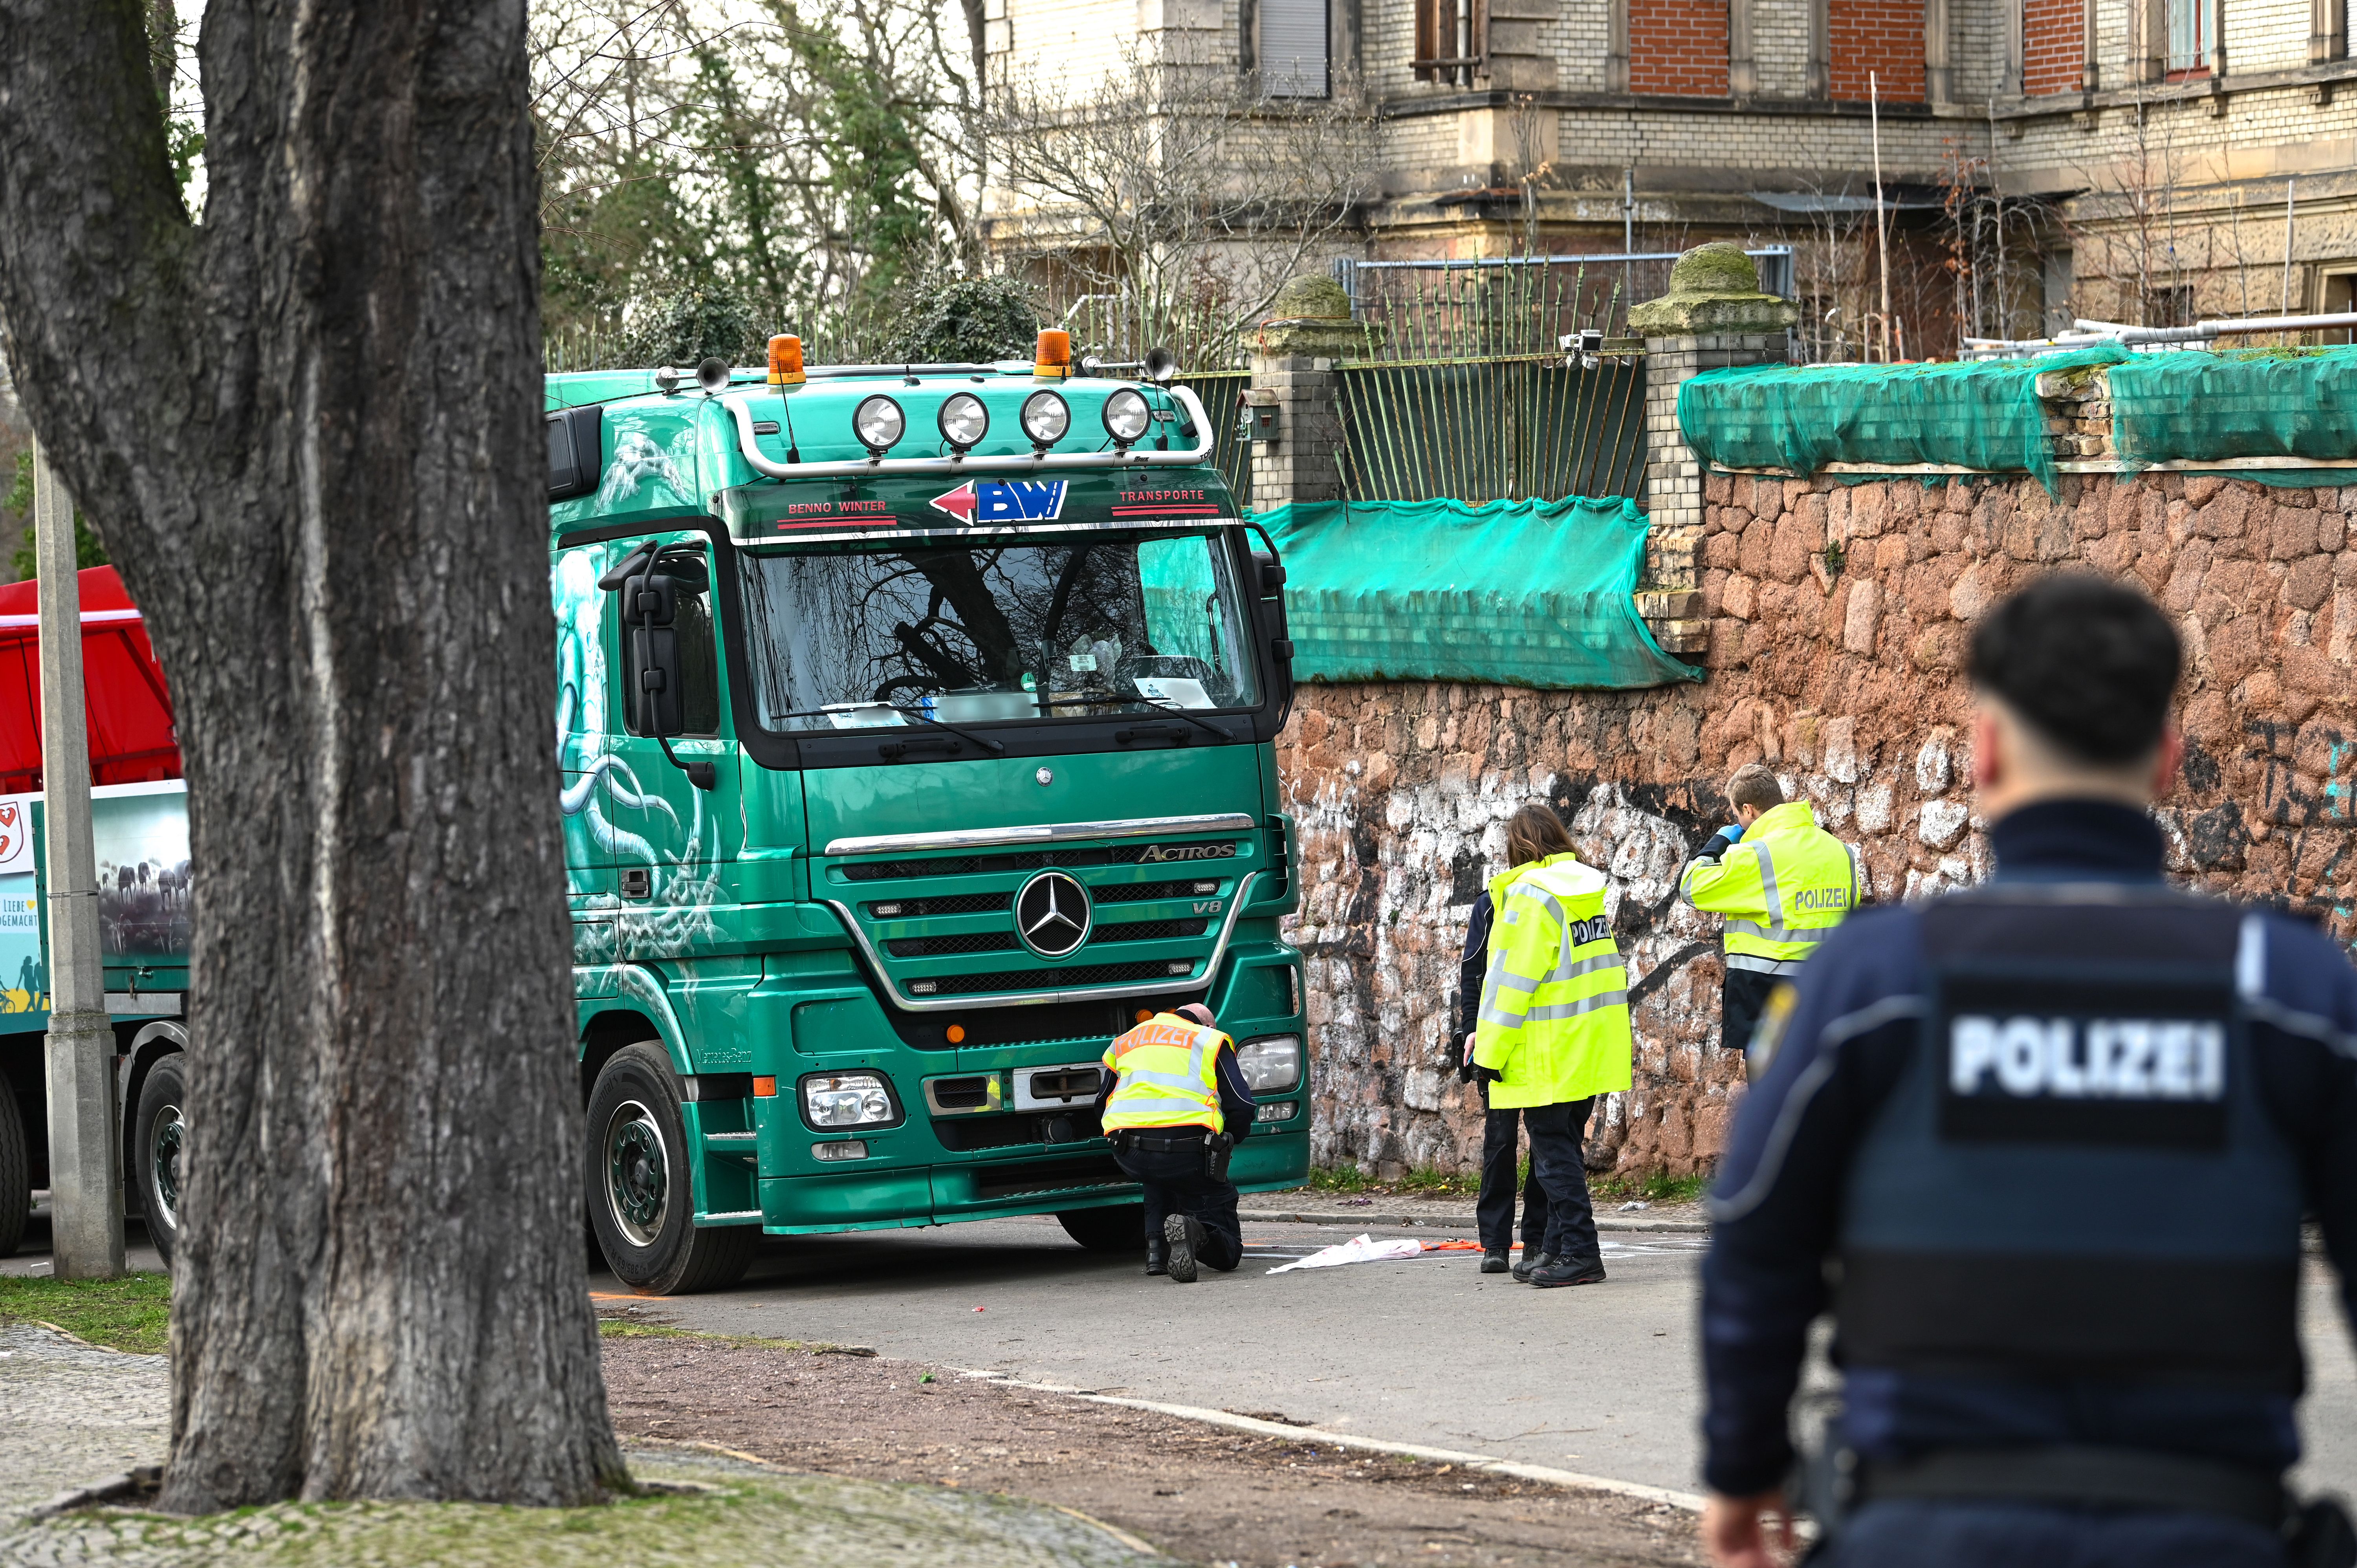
[1293, 47]
[1427, 38]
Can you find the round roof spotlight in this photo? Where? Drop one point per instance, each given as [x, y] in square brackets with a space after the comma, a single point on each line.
[1126, 416]
[1046, 418]
[878, 423]
[963, 420]
[713, 374]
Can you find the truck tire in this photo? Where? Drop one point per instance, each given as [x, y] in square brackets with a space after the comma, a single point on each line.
[641, 1194]
[1121, 1229]
[15, 1173]
[156, 1142]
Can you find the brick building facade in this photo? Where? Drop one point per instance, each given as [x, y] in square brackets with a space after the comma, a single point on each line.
[2147, 149]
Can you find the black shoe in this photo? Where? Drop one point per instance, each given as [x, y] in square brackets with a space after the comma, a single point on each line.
[1157, 1256]
[1184, 1233]
[1493, 1262]
[1566, 1272]
[1531, 1262]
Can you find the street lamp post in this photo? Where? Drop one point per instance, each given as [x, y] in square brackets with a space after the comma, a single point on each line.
[85, 1159]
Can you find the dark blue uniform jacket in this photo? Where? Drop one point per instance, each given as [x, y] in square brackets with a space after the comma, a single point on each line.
[1778, 1198]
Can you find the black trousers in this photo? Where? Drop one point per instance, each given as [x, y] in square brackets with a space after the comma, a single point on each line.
[1493, 1211]
[1555, 1133]
[1175, 1184]
[1742, 997]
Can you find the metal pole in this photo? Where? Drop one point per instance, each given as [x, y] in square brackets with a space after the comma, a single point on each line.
[2291, 200]
[85, 1157]
[1881, 228]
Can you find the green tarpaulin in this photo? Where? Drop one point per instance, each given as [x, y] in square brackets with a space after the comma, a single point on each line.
[2251, 403]
[1515, 593]
[1983, 415]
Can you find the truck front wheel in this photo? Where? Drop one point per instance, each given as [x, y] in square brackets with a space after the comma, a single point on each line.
[1119, 1229]
[156, 1140]
[641, 1193]
[15, 1173]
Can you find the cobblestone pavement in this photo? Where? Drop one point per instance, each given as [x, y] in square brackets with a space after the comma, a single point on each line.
[71, 1414]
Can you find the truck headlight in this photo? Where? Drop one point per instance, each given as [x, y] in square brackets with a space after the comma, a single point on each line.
[1126, 416]
[848, 1100]
[1271, 1065]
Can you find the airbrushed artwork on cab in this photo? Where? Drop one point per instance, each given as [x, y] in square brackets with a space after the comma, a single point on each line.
[613, 821]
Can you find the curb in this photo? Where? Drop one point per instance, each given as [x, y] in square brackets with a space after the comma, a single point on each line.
[105, 1491]
[1486, 1463]
[1453, 1222]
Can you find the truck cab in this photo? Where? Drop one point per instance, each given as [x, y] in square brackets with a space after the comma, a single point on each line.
[915, 725]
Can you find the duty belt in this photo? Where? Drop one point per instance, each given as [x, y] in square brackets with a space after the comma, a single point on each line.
[2112, 1477]
[1189, 1141]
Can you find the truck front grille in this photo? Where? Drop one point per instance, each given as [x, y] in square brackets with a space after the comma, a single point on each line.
[942, 947]
[1149, 930]
[1038, 859]
[1065, 979]
[1014, 1180]
[952, 904]
[1147, 892]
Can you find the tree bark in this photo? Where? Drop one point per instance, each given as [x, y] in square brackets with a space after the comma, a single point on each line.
[309, 432]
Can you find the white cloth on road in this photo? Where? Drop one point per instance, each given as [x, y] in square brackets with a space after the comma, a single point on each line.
[1361, 1249]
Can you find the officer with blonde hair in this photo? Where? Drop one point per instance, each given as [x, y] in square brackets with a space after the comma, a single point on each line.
[1551, 1033]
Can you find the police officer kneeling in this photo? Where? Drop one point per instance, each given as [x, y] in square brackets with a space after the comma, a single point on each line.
[2043, 1147]
[1172, 1089]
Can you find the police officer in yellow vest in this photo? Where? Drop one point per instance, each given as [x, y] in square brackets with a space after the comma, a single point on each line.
[1782, 881]
[1172, 1092]
[1551, 1035]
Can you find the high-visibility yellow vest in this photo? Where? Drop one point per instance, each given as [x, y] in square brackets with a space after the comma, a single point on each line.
[1782, 889]
[1554, 1019]
[1167, 1074]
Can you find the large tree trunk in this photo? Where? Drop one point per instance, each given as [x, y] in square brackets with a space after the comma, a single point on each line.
[309, 430]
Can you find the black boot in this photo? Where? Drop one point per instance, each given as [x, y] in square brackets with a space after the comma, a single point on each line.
[1184, 1232]
[1158, 1258]
[1493, 1262]
[1533, 1260]
[1568, 1272]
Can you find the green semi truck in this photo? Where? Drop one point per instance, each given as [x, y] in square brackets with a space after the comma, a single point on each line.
[915, 727]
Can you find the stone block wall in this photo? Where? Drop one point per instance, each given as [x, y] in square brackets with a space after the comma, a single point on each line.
[1838, 622]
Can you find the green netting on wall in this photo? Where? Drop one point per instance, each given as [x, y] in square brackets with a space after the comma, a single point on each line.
[2245, 402]
[1513, 593]
[1981, 415]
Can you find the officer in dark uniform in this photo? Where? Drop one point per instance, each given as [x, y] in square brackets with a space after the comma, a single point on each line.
[2042, 1148]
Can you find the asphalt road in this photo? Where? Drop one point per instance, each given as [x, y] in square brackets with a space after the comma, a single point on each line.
[1598, 1379]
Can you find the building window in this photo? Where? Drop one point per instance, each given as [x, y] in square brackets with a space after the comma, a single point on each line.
[1451, 40]
[2188, 22]
[1292, 49]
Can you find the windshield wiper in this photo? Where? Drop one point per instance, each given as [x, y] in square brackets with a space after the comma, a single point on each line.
[1153, 707]
[985, 742]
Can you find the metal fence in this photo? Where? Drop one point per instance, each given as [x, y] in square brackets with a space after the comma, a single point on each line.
[1222, 392]
[1491, 305]
[1516, 428]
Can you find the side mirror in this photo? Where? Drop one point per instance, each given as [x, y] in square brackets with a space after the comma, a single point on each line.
[1271, 573]
[649, 631]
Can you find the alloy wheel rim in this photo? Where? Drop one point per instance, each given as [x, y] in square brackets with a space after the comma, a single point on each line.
[638, 1173]
[164, 1165]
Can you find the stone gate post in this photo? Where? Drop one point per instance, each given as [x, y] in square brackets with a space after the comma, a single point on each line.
[1715, 314]
[1297, 436]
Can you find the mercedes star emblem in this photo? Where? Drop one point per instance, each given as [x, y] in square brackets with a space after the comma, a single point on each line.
[1046, 776]
[1051, 914]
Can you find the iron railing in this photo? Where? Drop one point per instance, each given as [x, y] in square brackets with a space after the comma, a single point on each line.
[1519, 428]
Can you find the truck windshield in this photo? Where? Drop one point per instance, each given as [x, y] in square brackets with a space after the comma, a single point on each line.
[848, 635]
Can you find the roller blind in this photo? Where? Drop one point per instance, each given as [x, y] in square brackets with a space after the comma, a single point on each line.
[1293, 47]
